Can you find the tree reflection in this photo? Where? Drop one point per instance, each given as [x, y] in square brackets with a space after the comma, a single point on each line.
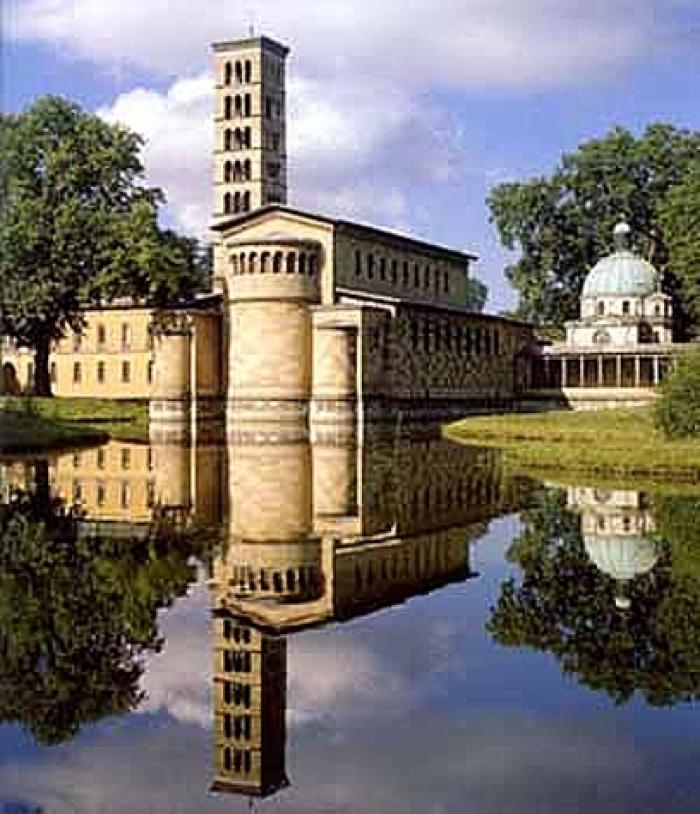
[565, 605]
[78, 613]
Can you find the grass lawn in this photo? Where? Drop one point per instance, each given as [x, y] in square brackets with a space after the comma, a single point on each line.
[24, 432]
[613, 444]
[123, 420]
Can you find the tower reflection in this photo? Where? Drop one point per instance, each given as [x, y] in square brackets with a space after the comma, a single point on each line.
[326, 532]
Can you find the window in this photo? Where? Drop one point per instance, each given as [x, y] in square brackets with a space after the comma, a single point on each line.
[626, 307]
[100, 372]
[248, 71]
[358, 263]
[77, 373]
[601, 308]
[227, 73]
[126, 336]
[53, 372]
[100, 458]
[125, 495]
[126, 372]
[101, 335]
[149, 372]
[77, 491]
[126, 458]
[101, 493]
[77, 341]
[227, 107]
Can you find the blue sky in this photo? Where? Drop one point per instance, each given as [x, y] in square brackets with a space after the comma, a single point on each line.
[401, 113]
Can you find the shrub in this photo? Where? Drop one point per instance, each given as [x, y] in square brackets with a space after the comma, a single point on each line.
[677, 412]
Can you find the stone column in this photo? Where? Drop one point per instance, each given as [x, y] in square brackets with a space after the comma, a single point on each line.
[656, 370]
[601, 379]
[637, 371]
[618, 370]
[581, 371]
[564, 382]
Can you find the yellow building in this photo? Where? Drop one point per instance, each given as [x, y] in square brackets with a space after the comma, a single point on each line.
[112, 357]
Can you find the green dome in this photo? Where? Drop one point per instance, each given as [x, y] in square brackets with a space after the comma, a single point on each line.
[621, 273]
[621, 557]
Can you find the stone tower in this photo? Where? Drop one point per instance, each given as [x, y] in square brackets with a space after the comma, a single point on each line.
[250, 160]
[250, 690]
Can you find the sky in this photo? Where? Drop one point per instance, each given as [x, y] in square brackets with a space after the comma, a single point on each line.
[402, 113]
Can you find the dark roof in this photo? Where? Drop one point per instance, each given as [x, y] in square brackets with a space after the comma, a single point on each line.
[343, 226]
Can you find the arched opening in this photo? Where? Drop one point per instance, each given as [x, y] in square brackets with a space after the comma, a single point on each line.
[248, 71]
[227, 139]
[237, 171]
[248, 138]
[236, 202]
[247, 170]
[238, 105]
[265, 263]
[626, 309]
[239, 72]
[241, 260]
[227, 107]
[601, 308]
[253, 263]
[312, 264]
[358, 262]
[302, 263]
[291, 263]
[228, 206]
[246, 202]
[228, 172]
[228, 73]
[247, 105]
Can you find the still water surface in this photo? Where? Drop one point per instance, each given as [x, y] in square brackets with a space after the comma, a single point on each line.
[392, 627]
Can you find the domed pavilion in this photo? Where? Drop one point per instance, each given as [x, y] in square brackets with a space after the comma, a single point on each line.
[622, 342]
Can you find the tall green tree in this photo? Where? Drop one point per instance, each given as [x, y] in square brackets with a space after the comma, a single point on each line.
[77, 226]
[562, 604]
[560, 225]
[78, 612]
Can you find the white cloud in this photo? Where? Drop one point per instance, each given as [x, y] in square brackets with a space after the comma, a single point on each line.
[352, 153]
[460, 43]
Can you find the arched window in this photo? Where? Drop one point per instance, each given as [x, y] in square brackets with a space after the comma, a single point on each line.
[405, 273]
[237, 202]
[248, 70]
[358, 262]
[265, 263]
[246, 202]
[312, 264]
[277, 263]
[416, 276]
[291, 263]
[227, 107]
[248, 105]
[239, 72]
[247, 170]
[626, 307]
[237, 172]
[228, 208]
[302, 263]
[248, 138]
[228, 73]
[252, 263]
[446, 282]
[657, 310]
[228, 172]
[601, 308]
[394, 270]
[242, 262]
[370, 266]
[426, 276]
[382, 268]
[234, 265]
[238, 105]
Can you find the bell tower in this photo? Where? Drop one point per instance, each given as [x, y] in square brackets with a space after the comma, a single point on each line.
[250, 150]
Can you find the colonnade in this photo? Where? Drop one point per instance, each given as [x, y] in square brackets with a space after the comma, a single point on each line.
[610, 370]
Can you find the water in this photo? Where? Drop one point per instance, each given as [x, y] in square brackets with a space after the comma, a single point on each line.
[395, 627]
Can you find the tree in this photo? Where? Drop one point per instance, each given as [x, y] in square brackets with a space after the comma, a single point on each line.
[78, 613]
[562, 224]
[77, 226]
[564, 605]
[477, 294]
[677, 412]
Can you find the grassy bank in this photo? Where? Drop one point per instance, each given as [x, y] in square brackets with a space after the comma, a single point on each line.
[610, 444]
[23, 432]
[60, 422]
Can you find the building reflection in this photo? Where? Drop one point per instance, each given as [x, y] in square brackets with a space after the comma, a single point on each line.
[618, 528]
[313, 533]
